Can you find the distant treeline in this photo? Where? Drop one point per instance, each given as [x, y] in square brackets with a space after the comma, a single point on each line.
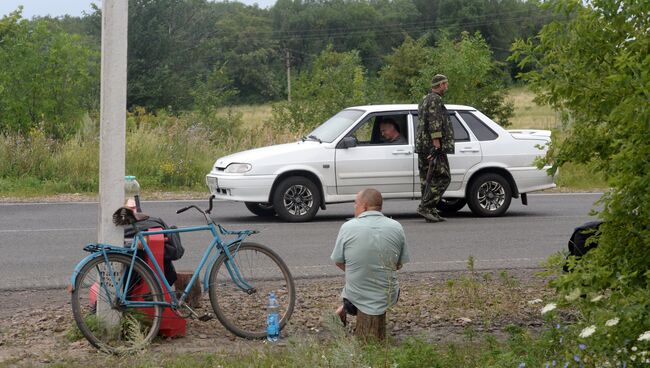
[175, 46]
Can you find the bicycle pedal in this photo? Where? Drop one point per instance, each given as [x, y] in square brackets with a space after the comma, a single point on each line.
[206, 317]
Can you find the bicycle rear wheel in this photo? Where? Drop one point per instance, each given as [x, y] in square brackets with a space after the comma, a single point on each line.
[108, 325]
[242, 313]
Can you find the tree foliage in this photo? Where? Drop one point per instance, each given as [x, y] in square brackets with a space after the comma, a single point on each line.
[403, 68]
[47, 77]
[474, 77]
[594, 66]
[335, 81]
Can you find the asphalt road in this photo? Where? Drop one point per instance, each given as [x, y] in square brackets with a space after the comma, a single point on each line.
[41, 243]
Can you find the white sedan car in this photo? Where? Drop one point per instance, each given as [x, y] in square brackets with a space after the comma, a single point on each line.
[345, 154]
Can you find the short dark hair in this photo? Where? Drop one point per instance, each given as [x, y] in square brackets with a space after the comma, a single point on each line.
[391, 122]
[372, 198]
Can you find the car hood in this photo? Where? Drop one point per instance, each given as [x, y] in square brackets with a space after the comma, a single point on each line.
[285, 153]
[531, 134]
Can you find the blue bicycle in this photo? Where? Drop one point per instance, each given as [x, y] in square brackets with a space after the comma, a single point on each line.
[118, 299]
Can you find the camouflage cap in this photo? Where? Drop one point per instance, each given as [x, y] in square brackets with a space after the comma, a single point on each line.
[437, 79]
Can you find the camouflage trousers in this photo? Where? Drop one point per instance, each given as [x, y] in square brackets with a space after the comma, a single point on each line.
[439, 182]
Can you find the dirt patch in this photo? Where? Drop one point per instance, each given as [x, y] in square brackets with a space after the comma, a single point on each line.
[440, 306]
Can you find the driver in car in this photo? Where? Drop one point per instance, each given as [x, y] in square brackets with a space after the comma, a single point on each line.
[390, 132]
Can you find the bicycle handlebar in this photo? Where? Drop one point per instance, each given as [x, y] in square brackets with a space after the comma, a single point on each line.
[205, 213]
[183, 209]
[210, 207]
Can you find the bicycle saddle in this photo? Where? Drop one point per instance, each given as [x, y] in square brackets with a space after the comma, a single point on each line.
[126, 216]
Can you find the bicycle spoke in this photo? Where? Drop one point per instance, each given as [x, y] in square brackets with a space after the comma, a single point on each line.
[106, 322]
[242, 313]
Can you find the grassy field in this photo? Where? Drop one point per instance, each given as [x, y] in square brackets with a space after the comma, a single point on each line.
[187, 145]
[528, 114]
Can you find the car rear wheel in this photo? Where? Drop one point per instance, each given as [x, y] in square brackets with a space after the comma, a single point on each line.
[451, 205]
[489, 195]
[296, 199]
[261, 209]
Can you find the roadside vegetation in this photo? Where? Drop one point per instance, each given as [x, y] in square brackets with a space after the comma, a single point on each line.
[174, 152]
[589, 63]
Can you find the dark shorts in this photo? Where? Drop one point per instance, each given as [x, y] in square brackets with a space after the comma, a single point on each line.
[351, 309]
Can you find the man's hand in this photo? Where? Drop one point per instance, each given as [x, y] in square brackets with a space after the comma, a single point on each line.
[340, 265]
[436, 143]
[435, 150]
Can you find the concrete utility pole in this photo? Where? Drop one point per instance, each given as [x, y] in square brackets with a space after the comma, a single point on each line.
[112, 134]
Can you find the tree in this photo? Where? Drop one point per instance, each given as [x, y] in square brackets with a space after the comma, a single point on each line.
[402, 69]
[48, 77]
[167, 51]
[594, 67]
[474, 77]
[336, 80]
[243, 46]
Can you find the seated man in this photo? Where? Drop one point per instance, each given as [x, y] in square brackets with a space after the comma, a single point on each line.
[370, 248]
[390, 132]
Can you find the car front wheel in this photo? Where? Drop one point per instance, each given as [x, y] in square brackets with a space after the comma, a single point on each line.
[489, 195]
[261, 209]
[296, 199]
[451, 205]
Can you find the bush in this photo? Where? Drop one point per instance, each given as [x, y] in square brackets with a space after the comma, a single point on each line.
[593, 66]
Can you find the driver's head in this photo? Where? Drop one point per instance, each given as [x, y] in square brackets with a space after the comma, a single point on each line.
[388, 129]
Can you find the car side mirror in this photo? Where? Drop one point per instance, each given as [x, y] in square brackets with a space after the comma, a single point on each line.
[348, 142]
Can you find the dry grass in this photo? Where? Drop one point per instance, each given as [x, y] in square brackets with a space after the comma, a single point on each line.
[528, 114]
[253, 116]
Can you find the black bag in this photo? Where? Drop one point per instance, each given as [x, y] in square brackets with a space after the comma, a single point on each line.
[580, 242]
[173, 247]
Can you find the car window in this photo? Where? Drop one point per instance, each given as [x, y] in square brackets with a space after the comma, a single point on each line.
[337, 124]
[368, 132]
[363, 133]
[478, 127]
[460, 133]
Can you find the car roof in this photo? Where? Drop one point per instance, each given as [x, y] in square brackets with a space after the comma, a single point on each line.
[403, 107]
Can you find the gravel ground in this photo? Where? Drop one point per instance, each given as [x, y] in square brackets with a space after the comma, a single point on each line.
[439, 307]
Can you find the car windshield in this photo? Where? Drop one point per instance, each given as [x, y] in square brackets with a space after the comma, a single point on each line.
[337, 124]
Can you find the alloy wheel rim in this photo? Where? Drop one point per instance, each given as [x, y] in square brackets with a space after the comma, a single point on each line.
[298, 200]
[491, 195]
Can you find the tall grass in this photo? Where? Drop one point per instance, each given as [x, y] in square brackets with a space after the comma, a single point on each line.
[530, 115]
[172, 153]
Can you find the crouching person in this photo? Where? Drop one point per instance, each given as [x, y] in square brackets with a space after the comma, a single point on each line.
[370, 248]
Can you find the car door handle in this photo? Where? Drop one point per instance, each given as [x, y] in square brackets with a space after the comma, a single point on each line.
[402, 152]
[469, 149]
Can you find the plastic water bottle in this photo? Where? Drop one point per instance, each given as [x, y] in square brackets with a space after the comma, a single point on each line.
[272, 319]
[132, 192]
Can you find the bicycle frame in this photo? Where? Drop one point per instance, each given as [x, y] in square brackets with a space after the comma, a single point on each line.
[140, 242]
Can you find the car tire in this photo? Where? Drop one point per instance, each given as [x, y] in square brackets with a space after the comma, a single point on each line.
[489, 195]
[296, 199]
[261, 209]
[451, 205]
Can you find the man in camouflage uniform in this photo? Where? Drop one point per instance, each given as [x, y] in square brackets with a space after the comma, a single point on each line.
[435, 139]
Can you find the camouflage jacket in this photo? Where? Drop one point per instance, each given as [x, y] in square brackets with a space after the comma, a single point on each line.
[434, 123]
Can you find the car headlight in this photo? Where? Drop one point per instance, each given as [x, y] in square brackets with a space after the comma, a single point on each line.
[238, 168]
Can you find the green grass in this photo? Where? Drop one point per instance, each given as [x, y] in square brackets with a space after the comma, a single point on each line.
[477, 350]
[169, 153]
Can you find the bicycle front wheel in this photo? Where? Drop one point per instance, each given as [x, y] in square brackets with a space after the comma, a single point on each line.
[107, 323]
[244, 313]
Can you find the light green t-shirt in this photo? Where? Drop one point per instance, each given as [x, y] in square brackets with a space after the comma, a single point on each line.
[371, 246]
